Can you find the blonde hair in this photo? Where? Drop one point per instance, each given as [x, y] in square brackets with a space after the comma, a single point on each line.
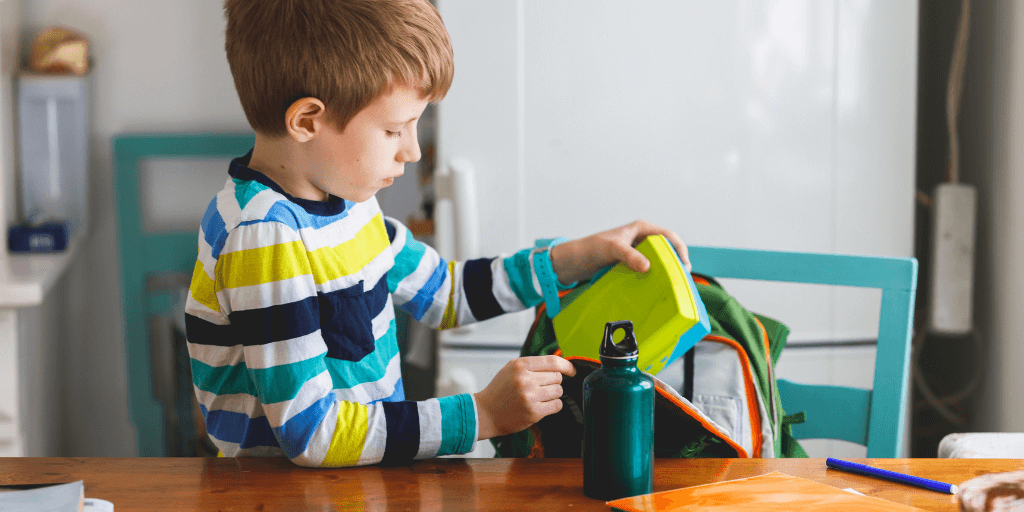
[346, 53]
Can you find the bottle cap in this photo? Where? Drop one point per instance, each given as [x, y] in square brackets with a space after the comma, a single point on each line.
[625, 349]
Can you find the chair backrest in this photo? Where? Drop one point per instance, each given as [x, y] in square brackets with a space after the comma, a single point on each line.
[146, 255]
[872, 418]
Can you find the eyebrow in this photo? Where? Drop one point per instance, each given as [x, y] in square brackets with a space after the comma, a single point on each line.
[406, 122]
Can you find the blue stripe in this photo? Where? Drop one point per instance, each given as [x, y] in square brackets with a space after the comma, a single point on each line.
[295, 216]
[276, 323]
[418, 305]
[235, 427]
[403, 439]
[214, 231]
[298, 430]
[478, 283]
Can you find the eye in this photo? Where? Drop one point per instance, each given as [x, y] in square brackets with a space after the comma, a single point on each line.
[393, 134]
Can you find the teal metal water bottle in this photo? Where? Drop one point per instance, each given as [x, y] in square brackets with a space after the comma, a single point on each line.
[618, 421]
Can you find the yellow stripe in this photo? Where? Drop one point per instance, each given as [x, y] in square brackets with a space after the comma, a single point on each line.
[347, 258]
[290, 259]
[449, 319]
[263, 265]
[202, 288]
[349, 435]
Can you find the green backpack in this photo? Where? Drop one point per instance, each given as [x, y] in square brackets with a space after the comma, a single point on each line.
[718, 400]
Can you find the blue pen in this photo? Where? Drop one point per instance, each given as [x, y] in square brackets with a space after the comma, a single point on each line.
[925, 483]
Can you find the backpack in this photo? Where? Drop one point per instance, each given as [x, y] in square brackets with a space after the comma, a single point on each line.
[719, 400]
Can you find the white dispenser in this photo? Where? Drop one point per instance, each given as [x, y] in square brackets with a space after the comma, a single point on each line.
[53, 134]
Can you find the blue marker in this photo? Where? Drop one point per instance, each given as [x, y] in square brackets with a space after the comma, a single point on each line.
[925, 483]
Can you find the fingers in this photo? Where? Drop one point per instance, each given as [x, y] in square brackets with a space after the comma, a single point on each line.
[547, 364]
[643, 229]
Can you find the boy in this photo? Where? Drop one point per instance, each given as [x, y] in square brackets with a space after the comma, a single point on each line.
[290, 318]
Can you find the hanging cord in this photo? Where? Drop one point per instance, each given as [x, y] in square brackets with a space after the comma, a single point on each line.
[940, 403]
[954, 88]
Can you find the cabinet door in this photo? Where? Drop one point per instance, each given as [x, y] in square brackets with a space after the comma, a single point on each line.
[785, 125]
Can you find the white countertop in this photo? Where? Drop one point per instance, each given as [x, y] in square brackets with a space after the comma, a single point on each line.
[25, 279]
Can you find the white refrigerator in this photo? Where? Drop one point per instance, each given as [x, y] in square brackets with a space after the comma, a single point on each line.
[767, 124]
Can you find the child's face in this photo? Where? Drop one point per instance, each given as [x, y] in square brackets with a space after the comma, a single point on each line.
[374, 147]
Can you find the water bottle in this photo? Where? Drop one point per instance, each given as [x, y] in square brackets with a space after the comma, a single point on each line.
[618, 421]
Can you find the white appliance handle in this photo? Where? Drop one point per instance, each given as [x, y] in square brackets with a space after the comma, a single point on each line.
[456, 183]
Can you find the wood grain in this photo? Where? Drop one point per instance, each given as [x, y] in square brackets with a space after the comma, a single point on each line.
[443, 484]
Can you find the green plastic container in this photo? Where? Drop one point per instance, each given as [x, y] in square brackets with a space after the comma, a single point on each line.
[618, 421]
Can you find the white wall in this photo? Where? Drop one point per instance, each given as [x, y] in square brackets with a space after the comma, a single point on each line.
[159, 67]
[992, 131]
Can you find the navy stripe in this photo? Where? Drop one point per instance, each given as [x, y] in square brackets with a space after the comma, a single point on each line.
[201, 332]
[478, 283]
[347, 319]
[276, 323]
[235, 427]
[391, 230]
[403, 441]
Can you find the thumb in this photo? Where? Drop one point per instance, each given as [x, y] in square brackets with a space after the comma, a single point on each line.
[636, 260]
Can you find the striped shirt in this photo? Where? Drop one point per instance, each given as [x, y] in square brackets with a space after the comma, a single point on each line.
[291, 326]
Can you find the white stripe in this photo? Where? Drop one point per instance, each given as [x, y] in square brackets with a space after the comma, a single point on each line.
[205, 255]
[312, 390]
[371, 391]
[463, 314]
[382, 322]
[502, 288]
[401, 232]
[260, 204]
[339, 231]
[261, 234]
[430, 428]
[376, 436]
[230, 449]
[227, 205]
[274, 293]
[284, 352]
[320, 441]
[413, 282]
[242, 403]
[199, 310]
[213, 355]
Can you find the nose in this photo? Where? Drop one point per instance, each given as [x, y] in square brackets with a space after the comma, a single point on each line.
[410, 149]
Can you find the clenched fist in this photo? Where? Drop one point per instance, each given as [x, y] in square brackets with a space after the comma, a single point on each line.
[524, 391]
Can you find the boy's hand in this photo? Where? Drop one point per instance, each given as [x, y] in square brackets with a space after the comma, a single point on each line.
[524, 391]
[581, 258]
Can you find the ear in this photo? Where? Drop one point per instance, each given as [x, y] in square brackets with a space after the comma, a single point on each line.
[305, 118]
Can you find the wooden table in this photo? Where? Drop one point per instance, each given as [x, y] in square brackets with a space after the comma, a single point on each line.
[435, 485]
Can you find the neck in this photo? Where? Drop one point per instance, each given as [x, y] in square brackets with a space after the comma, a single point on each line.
[285, 161]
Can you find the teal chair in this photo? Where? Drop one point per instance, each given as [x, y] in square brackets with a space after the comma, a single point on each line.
[873, 418]
[152, 265]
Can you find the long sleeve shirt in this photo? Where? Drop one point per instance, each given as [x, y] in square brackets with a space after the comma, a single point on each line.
[291, 326]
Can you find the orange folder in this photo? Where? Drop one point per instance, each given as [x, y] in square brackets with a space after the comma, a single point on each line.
[773, 491]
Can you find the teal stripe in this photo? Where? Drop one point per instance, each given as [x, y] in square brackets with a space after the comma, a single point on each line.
[222, 380]
[520, 277]
[346, 374]
[458, 423]
[406, 261]
[246, 190]
[283, 382]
